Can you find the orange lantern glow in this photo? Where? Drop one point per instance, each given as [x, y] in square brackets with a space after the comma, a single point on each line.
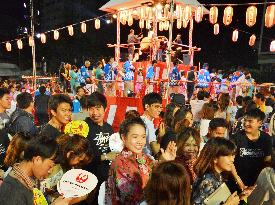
[71, 30]
[213, 14]
[56, 34]
[8, 46]
[19, 44]
[216, 29]
[83, 27]
[130, 20]
[187, 13]
[141, 23]
[228, 15]
[270, 16]
[272, 46]
[97, 24]
[178, 24]
[252, 40]
[184, 23]
[43, 38]
[199, 14]
[30, 41]
[251, 16]
[235, 35]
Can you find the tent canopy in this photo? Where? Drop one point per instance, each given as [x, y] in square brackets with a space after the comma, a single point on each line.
[115, 5]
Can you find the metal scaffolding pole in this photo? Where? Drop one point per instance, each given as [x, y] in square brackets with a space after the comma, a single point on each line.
[33, 45]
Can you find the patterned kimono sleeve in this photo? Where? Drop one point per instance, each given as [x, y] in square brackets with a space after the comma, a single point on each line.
[204, 190]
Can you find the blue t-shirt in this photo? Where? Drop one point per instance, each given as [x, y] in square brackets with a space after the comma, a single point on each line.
[203, 78]
[175, 75]
[76, 106]
[129, 73]
[150, 73]
[38, 93]
[84, 72]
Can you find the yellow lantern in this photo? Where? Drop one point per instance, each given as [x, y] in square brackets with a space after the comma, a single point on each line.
[235, 35]
[187, 13]
[56, 34]
[8, 46]
[213, 14]
[83, 27]
[270, 16]
[216, 29]
[252, 40]
[179, 24]
[141, 23]
[97, 24]
[272, 46]
[199, 14]
[43, 38]
[184, 23]
[130, 20]
[228, 15]
[19, 44]
[71, 30]
[30, 41]
[161, 26]
[251, 16]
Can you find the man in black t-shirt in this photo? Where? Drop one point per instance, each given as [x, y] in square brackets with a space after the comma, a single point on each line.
[254, 148]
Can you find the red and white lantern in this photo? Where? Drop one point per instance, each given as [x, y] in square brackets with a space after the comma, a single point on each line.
[213, 14]
[235, 35]
[216, 29]
[228, 15]
[252, 40]
[270, 16]
[251, 16]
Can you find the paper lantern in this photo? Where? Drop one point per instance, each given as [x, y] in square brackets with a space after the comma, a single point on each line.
[235, 35]
[179, 24]
[216, 29]
[251, 16]
[213, 14]
[184, 23]
[187, 13]
[270, 16]
[56, 34]
[71, 30]
[199, 14]
[166, 25]
[8, 46]
[161, 26]
[43, 38]
[166, 10]
[141, 23]
[252, 40]
[272, 46]
[142, 13]
[97, 24]
[19, 44]
[30, 41]
[148, 24]
[83, 27]
[228, 15]
[178, 11]
[130, 20]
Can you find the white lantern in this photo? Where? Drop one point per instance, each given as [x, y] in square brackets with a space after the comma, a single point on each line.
[227, 15]
[8, 46]
[161, 26]
[270, 16]
[235, 35]
[148, 24]
[71, 30]
[30, 41]
[141, 23]
[19, 44]
[252, 40]
[97, 24]
[199, 14]
[166, 10]
[272, 46]
[251, 16]
[216, 29]
[43, 38]
[213, 15]
[130, 20]
[184, 23]
[179, 24]
[166, 25]
[187, 13]
[56, 34]
[83, 27]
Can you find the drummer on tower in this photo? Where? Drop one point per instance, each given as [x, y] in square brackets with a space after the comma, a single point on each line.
[132, 38]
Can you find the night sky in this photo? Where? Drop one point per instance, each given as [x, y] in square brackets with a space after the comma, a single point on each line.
[216, 50]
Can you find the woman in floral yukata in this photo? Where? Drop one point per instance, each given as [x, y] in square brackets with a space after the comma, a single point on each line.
[130, 171]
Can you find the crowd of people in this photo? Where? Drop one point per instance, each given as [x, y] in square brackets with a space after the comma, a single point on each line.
[212, 142]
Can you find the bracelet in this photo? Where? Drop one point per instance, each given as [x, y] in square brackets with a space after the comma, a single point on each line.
[105, 156]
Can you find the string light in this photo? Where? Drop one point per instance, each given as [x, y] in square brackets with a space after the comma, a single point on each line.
[30, 41]
[252, 40]
[8, 46]
[97, 24]
[235, 35]
[71, 30]
[19, 44]
[83, 27]
[272, 46]
[216, 29]
[43, 38]
[56, 34]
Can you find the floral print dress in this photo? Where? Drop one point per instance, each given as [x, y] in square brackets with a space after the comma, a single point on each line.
[129, 174]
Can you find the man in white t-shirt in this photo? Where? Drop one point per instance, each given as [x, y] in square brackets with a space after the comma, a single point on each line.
[152, 105]
[196, 106]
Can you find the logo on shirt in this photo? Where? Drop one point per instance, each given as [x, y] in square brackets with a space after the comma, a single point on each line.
[254, 153]
[102, 141]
